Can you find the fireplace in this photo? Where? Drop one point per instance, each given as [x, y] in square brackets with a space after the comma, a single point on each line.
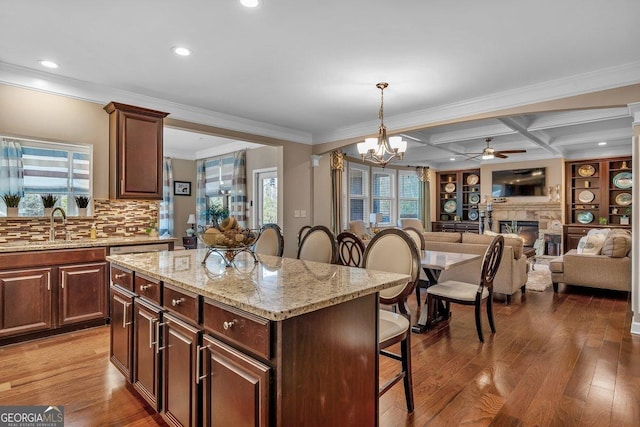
[528, 230]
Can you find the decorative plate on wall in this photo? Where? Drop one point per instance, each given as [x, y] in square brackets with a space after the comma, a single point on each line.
[472, 179]
[586, 170]
[474, 198]
[623, 180]
[473, 215]
[623, 199]
[586, 196]
[450, 187]
[585, 217]
[450, 206]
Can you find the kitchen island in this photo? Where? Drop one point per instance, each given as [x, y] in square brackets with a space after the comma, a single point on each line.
[276, 342]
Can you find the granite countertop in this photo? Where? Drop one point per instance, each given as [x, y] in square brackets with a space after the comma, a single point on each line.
[274, 288]
[41, 245]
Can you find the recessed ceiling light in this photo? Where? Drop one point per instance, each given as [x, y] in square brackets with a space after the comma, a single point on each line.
[452, 158]
[250, 3]
[182, 51]
[48, 64]
[602, 143]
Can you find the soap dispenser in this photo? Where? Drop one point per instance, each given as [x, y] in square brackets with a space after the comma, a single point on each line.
[93, 231]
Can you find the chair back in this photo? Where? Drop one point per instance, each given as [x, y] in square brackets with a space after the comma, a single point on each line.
[350, 249]
[411, 222]
[359, 228]
[491, 262]
[302, 232]
[270, 241]
[392, 250]
[318, 245]
[416, 236]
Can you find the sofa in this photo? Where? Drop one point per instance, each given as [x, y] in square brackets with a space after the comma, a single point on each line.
[512, 273]
[599, 262]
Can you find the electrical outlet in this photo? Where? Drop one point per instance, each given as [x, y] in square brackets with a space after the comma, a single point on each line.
[131, 228]
[109, 228]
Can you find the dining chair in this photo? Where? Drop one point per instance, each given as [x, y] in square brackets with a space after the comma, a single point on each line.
[418, 238]
[472, 293]
[392, 250]
[350, 249]
[301, 233]
[318, 244]
[411, 222]
[270, 241]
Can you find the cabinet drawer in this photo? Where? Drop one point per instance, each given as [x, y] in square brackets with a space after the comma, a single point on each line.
[244, 329]
[122, 277]
[149, 288]
[578, 230]
[182, 302]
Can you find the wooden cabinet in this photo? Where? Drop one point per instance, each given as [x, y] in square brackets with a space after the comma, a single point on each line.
[146, 351]
[135, 152]
[456, 226]
[44, 292]
[82, 293]
[598, 190]
[235, 386]
[190, 242]
[458, 195]
[25, 301]
[180, 372]
[121, 335]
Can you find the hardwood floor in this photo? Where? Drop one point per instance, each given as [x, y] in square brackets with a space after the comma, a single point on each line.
[556, 360]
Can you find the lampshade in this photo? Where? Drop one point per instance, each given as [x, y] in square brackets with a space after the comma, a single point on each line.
[191, 219]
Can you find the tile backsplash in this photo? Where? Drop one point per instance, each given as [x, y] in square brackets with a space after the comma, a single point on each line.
[123, 215]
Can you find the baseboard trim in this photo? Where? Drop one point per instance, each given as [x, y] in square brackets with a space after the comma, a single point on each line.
[635, 328]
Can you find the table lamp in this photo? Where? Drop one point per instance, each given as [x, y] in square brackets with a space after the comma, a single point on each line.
[191, 222]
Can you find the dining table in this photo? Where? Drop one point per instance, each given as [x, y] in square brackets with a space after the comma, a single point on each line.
[433, 263]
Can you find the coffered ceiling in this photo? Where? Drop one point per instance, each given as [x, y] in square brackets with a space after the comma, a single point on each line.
[306, 71]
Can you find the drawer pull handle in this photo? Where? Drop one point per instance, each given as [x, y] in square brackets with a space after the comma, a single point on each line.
[120, 276]
[175, 302]
[144, 287]
[228, 325]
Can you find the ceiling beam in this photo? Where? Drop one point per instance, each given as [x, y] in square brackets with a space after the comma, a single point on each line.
[522, 130]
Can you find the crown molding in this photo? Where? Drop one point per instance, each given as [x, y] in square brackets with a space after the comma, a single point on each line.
[50, 83]
[579, 84]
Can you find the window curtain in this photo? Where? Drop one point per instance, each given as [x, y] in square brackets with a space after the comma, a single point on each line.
[238, 199]
[165, 225]
[11, 167]
[201, 195]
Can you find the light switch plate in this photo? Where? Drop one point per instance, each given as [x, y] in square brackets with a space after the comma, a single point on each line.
[296, 214]
[131, 228]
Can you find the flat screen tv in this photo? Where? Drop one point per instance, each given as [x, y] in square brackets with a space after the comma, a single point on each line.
[518, 182]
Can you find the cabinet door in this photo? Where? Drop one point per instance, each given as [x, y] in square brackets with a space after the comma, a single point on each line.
[121, 330]
[83, 293]
[25, 301]
[180, 372]
[146, 356]
[235, 387]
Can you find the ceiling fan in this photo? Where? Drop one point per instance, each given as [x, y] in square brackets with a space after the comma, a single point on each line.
[489, 153]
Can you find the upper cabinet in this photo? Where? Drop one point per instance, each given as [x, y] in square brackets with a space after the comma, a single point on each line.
[459, 195]
[599, 191]
[135, 152]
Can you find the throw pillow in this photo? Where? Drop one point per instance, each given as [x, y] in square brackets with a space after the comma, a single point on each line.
[591, 244]
[604, 231]
[616, 245]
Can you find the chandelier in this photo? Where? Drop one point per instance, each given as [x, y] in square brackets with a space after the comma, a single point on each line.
[382, 150]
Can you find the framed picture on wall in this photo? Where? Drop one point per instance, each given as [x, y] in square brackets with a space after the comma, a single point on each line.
[182, 188]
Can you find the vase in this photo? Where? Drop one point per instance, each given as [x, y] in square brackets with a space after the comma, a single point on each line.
[82, 211]
[12, 212]
[47, 211]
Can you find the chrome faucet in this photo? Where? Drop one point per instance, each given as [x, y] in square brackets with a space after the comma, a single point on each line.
[52, 224]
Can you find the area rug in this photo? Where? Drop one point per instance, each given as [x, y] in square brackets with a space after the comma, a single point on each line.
[539, 279]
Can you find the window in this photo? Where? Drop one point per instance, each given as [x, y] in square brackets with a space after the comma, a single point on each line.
[383, 194]
[358, 193]
[63, 170]
[266, 195]
[408, 194]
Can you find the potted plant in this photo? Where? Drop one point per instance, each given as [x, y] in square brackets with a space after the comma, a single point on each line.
[217, 213]
[48, 201]
[624, 219]
[12, 200]
[82, 202]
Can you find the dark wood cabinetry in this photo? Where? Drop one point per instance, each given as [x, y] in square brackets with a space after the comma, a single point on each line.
[458, 195]
[146, 353]
[25, 301]
[120, 353]
[43, 292]
[135, 151]
[235, 387]
[180, 372]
